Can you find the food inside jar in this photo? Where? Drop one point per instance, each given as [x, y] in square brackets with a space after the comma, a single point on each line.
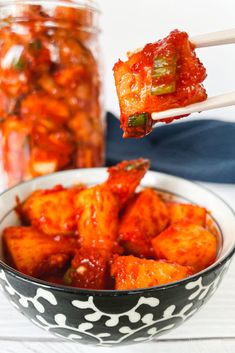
[51, 117]
[163, 75]
[110, 235]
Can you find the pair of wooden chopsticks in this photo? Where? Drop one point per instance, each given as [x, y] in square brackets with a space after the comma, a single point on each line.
[223, 100]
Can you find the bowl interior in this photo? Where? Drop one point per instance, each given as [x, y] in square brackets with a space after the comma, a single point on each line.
[221, 221]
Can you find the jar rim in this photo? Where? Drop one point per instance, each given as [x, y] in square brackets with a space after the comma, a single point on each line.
[89, 4]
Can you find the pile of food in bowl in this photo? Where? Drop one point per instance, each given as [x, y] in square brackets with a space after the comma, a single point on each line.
[119, 260]
[110, 236]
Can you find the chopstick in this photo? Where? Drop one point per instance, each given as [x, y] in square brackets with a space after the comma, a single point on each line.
[206, 40]
[223, 100]
[214, 38]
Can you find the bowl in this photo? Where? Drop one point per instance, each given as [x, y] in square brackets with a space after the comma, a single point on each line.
[106, 318]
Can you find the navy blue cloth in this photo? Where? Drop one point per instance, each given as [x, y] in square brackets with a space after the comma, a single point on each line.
[201, 150]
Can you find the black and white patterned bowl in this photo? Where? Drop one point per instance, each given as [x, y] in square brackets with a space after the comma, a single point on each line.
[110, 317]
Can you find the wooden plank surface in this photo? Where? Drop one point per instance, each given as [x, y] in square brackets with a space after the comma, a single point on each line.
[207, 346]
[210, 330]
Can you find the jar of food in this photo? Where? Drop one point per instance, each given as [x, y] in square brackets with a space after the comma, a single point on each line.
[50, 89]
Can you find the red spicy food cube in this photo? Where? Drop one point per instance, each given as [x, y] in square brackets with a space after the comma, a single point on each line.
[36, 254]
[125, 177]
[131, 272]
[193, 213]
[163, 75]
[52, 211]
[186, 244]
[89, 269]
[145, 216]
[97, 218]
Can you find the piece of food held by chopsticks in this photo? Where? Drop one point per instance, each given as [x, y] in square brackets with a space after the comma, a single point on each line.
[163, 75]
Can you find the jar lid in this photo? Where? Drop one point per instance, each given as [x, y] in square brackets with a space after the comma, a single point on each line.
[18, 10]
[90, 4]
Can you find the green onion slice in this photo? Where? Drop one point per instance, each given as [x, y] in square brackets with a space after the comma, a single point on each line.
[19, 64]
[138, 120]
[134, 166]
[68, 276]
[163, 67]
[157, 90]
[35, 45]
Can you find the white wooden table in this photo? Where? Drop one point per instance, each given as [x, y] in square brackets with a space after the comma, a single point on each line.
[212, 330]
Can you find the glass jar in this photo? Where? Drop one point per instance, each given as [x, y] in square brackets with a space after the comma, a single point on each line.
[50, 89]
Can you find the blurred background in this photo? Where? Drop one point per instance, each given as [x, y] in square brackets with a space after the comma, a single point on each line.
[129, 24]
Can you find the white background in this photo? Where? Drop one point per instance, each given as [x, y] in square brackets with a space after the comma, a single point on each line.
[129, 24]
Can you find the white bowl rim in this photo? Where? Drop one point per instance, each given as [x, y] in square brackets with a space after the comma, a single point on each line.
[87, 292]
